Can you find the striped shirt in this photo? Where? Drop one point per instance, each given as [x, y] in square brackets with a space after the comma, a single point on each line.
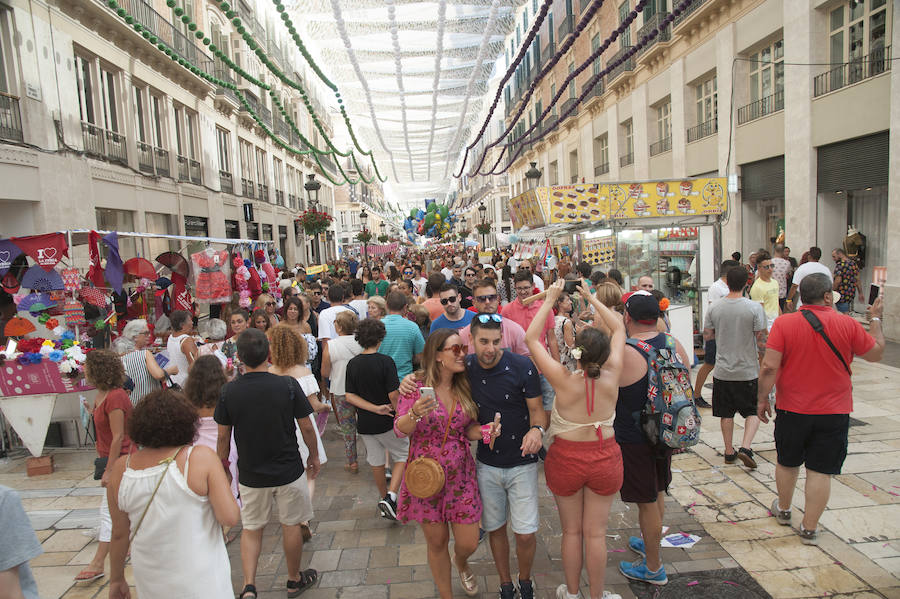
[135, 364]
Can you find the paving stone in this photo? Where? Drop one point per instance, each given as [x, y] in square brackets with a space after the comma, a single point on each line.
[412, 590]
[354, 559]
[325, 560]
[66, 540]
[342, 578]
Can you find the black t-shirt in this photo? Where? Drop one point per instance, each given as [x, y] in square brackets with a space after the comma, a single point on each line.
[465, 297]
[263, 408]
[504, 389]
[373, 377]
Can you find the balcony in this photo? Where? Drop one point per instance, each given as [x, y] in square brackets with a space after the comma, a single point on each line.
[877, 62]
[704, 129]
[226, 181]
[761, 108]
[263, 192]
[224, 73]
[663, 145]
[601, 169]
[547, 53]
[188, 170]
[167, 33]
[689, 11]
[274, 52]
[248, 189]
[566, 27]
[292, 201]
[145, 157]
[328, 163]
[282, 130]
[654, 22]
[266, 115]
[10, 118]
[596, 92]
[565, 108]
[161, 160]
[279, 197]
[253, 103]
[626, 159]
[625, 66]
[100, 143]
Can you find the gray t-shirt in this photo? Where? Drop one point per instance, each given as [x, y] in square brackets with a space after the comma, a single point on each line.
[19, 541]
[735, 322]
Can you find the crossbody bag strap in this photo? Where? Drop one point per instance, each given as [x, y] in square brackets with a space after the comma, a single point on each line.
[449, 420]
[817, 326]
[167, 461]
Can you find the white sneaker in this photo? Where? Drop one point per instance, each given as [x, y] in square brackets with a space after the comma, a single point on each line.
[608, 595]
[562, 592]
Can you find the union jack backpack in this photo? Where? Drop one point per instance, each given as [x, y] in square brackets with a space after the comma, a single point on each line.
[669, 418]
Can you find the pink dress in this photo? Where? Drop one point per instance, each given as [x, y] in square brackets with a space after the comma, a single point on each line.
[208, 435]
[459, 500]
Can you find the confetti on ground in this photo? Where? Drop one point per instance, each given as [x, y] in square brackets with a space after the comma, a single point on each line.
[617, 537]
[734, 584]
[874, 488]
[677, 470]
[615, 551]
[692, 583]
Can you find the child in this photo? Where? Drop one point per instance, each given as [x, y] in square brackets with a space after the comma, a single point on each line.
[372, 386]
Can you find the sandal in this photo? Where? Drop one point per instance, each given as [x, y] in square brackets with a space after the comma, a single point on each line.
[307, 579]
[249, 590]
[467, 580]
[89, 575]
[352, 468]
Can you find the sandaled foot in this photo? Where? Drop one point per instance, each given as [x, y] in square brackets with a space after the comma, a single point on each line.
[87, 575]
[307, 579]
[352, 468]
[467, 580]
[249, 592]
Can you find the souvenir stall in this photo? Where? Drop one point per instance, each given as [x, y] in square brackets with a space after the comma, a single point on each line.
[668, 230]
[60, 311]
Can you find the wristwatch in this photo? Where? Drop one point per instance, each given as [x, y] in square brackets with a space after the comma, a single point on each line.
[539, 427]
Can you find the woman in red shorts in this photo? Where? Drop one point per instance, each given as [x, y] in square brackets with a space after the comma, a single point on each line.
[584, 465]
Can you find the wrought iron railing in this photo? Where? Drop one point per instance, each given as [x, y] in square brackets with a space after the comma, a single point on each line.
[226, 181]
[547, 53]
[274, 51]
[145, 157]
[115, 147]
[601, 169]
[281, 129]
[184, 171]
[877, 62]
[252, 102]
[224, 73]
[626, 159]
[248, 189]
[704, 129]
[161, 160]
[626, 65]
[266, 115]
[196, 172]
[688, 11]
[10, 118]
[263, 191]
[596, 92]
[94, 140]
[279, 197]
[654, 22]
[566, 27]
[328, 163]
[166, 32]
[565, 107]
[663, 145]
[761, 108]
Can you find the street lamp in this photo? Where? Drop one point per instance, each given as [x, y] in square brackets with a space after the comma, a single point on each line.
[312, 188]
[482, 209]
[383, 229]
[533, 174]
[363, 217]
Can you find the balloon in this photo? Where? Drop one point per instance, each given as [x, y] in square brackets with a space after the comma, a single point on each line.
[429, 220]
[431, 207]
[445, 212]
[412, 213]
[437, 217]
[420, 214]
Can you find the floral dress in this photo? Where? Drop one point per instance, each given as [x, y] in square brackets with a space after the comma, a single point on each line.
[459, 501]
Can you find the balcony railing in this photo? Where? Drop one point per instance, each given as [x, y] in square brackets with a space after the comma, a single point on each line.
[226, 181]
[573, 179]
[761, 108]
[101, 143]
[166, 32]
[279, 197]
[626, 159]
[224, 73]
[189, 170]
[601, 169]
[266, 115]
[248, 189]
[196, 176]
[877, 62]
[654, 22]
[687, 12]
[282, 130]
[292, 201]
[252, 102]
[625, 66]
[566, 27]
[145, 157]
[10, 118]
[161, 158]
[596, 92]
[704, 129]
[328, 163]
[115, 147]
[565, 107]
[263, 191]
[547, 53]
[274, 51]
[663, 145]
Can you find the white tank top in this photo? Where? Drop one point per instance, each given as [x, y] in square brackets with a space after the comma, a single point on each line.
[178, 550]
[177, 357]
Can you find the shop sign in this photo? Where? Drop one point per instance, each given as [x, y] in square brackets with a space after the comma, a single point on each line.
[526, 210]
[576, 204]
[600, 250]
[689, 197]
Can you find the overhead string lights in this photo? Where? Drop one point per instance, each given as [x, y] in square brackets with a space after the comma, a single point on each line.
[546, 70]
[435, 85]
[523, 50]
[642, 42]
[398, 70]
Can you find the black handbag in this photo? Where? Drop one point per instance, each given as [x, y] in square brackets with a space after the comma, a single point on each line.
[100, 467]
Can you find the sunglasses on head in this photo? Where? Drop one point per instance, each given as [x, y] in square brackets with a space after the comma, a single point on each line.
[448, 300]
[486, 298]
[484, 318]
[458, 349]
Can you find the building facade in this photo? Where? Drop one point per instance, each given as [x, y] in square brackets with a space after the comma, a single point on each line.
[790, 99]
[101, 130]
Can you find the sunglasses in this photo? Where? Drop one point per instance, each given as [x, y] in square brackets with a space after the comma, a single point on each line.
[484, 318]
[407, 272]
[449, 300]
[486, 298]
[458, 349]
[317, 293]
[270, 303]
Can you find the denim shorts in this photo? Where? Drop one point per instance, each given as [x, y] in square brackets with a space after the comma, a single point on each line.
[548, 393]
[509, 493]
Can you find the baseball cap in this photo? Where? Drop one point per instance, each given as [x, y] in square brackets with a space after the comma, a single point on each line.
[641, 306]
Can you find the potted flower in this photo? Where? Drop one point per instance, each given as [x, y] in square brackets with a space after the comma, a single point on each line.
[383, 238]
[463, 234]
[483, 228]
[364, 236]
[314, 222]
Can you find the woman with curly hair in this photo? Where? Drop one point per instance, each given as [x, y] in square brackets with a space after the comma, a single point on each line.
[287, 353]
[203, 389]
[112, 408]
[261, 320]
[170, 495]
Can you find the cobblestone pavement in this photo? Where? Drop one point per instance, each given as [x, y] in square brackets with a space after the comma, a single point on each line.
[743, 553]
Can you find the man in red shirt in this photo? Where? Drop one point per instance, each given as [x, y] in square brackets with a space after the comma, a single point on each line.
[523, 315]
[815, 396]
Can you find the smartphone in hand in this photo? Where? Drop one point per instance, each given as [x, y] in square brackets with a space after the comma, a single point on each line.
[429, 393]
[874, 291]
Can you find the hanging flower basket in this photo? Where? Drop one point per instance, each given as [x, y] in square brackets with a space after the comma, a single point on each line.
[314, 221]
[464, 233]
[383, 238]
[483, 228]
[364, 236]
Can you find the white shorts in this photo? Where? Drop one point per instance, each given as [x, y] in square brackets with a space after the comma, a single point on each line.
[376, 445]
[294, 504]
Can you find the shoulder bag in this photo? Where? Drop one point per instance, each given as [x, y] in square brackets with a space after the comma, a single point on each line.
[817, 326]
[425, 476]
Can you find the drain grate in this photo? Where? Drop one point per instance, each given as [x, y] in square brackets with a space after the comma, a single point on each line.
[732, 583]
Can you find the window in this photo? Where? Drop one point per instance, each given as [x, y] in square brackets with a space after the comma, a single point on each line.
[188, 6]
[261, 178]
[628, 141]
[278, 172]
[4, 58]
[550, 31]
[140, 114]
[601, 154]
[707, 100]
[185, 132]
[573, 166]
[97, 93]
[248, 166]
[858, 30]
[554, 173]
[664, 120]
[625, 38]
[223, 144]
[157, 121]
[552, 98]
[767, 72]
[109, 219]
[572, 81]
[595, 45]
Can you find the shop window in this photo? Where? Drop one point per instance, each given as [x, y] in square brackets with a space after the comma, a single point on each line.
[161, 224]
[196, 226]
[232, 229]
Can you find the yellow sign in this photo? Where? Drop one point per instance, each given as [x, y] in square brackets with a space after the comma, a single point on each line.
[316, 269]
[688, 197]
[576, 204]
[601, 250]
[525, 210]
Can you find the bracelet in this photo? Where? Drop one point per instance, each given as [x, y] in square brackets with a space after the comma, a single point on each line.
[413, 416]
[874, 318]
[539, 427]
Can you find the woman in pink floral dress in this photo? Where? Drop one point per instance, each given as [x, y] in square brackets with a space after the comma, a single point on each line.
[458, 505]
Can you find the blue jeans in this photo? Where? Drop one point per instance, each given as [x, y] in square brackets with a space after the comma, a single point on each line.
[843, 307]
[548, 393]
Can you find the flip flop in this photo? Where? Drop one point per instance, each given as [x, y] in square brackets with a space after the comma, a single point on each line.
[89, 575]
[248, 590]
[307, 579]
